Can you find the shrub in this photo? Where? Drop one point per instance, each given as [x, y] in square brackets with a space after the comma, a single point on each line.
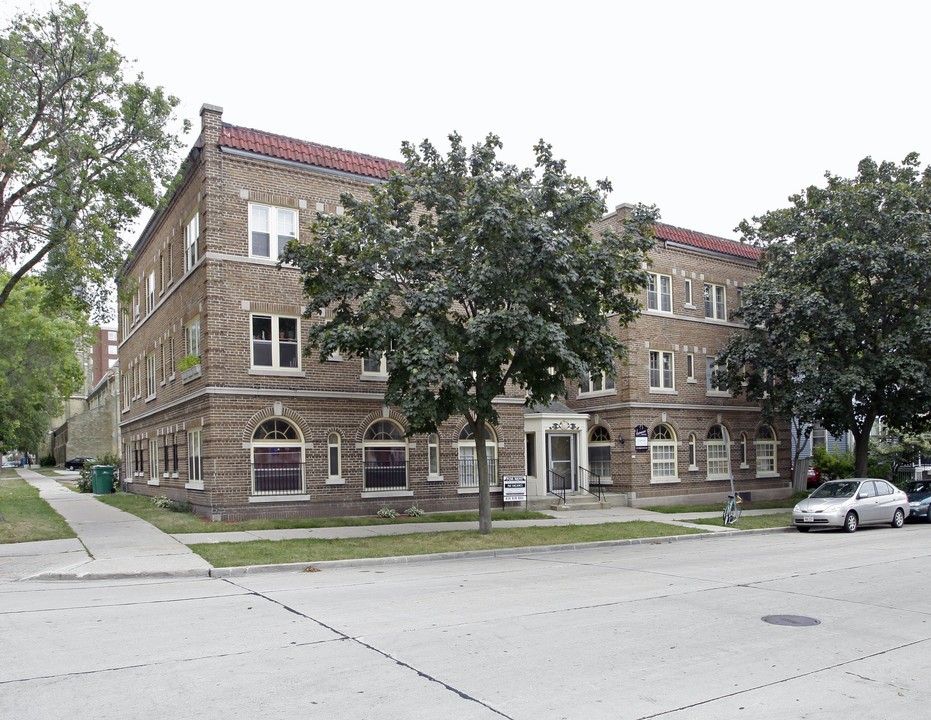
[47, 461]
[161, 501]
[833, 466]
[414, 511]
[188, 361]
[166, 503]
[386, 512]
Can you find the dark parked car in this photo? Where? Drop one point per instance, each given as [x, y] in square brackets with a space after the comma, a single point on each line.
[814, 477]
[850, 503]
[919, 499]
[77, 463]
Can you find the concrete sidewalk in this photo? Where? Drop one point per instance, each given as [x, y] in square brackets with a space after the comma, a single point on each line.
[115, 544]
[110, 544]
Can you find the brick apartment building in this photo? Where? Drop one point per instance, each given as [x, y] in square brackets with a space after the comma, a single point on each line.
[218, 406]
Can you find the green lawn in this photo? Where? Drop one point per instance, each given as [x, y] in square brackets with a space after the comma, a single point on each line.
[180, 522]
[26, 518]
[269, 552]
[787, 503]
[751, 522]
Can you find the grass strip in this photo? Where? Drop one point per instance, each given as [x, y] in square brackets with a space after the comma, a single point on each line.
[272, 552]
[788, 503]
[28, 518]
[750, 522]
[180, 522]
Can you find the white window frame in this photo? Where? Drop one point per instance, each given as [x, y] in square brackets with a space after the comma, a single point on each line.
[688, 294]
[659, 293]
[710, 368]
[275, 237]
[718, 455]
[192, 337]
[151, 377]
[191, 236]
[195, 458]
[334, 457]
[598, 383]
[153, 462]
[433, 455]
[693, 452]
[715, 301]
[275, 340]
[150, 292]
[765, 452]
[662, 371]
[743, 451]
[690, 367]
[664, 460]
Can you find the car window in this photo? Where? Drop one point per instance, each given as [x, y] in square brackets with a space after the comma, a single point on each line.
[883, 488]
[835, 490]
[867, 490]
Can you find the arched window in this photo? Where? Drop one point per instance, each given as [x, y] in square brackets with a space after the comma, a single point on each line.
[765, 450]
[599, 452]
[468, 467]
[384, 449]
[334, 461]
[663, 465]
[718, 453]
[277, 459]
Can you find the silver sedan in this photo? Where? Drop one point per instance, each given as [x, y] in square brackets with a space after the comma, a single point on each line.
[851, 503]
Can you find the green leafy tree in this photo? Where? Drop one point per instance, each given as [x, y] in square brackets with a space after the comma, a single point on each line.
[82, 152]
[39, 368]
[898, 449]
[471, 275]
[838, 325]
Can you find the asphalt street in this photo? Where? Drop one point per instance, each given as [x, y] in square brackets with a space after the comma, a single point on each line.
[667, 630]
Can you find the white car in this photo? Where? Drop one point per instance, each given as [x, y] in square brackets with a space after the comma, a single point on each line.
[850, 503]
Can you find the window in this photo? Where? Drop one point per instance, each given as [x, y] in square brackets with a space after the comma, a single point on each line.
[194, 457]
[125, 390]
[598, 382]
[375, 365]
[192, 338]
[161, 272]
[693, 453]
[433, 455]
[599, 452]
[270, 229]
[530, 455]
[765, 450]
[277, 459]
[111, 335]
[468, 460]
[191, 235]
[164, 364]
[716, 449]
[274, 342]
[170, 271]
[715, 305]
[384, 451]
[165, 453]
[661, 374]
[150, 366]
[174, 454]
[150, 293]
[688, 293]
[334, 470]
[710, 369]
[689, 366]
[171, 357]
[659, 293]
[153, 462]
[743, 450]
[663, 466]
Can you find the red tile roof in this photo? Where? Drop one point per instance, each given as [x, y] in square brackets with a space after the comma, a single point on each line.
[308, 153]
[704, 241]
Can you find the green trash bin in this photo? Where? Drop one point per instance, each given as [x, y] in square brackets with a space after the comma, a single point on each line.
[102, 479]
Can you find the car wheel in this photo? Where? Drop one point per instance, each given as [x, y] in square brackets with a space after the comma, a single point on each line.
[802, 528]
[851, 522]
[898, 520]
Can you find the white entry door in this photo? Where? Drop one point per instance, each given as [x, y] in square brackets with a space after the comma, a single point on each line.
[561, 462]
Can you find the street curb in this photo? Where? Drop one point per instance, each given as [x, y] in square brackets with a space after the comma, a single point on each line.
[245, 570]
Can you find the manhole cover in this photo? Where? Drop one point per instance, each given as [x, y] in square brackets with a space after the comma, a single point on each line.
[791, 620]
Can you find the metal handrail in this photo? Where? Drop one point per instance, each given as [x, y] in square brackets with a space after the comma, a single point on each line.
[551, 484]
[588, 479]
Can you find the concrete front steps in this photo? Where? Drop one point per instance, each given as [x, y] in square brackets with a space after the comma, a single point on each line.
[580, 501]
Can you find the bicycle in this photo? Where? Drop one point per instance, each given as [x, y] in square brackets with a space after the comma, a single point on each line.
[732, 509]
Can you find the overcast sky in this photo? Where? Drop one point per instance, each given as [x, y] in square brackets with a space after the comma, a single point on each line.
[713, 111]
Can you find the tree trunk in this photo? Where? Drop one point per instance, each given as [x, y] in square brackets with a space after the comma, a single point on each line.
[484, 486]
[862, 454]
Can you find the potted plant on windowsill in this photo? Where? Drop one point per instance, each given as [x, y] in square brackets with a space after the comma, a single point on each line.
[189, 367]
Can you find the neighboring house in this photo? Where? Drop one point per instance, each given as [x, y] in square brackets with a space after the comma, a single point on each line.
[88, 426]
[252, 428]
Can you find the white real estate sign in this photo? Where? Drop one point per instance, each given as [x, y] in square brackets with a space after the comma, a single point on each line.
[515, 488]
